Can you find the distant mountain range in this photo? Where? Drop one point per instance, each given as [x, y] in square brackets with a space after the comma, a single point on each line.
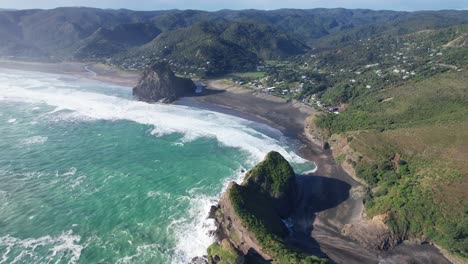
[213, 42]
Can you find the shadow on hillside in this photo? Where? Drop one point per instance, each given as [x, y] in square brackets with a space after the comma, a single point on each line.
[314, 194]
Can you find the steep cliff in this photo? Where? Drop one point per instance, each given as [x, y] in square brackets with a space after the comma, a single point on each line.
[159, 84]
[250, 215]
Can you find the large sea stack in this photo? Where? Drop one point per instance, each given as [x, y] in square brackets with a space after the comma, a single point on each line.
[159, 84]
[250, 216]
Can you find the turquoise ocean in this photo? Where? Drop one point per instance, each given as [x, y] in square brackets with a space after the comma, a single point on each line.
[89, 175]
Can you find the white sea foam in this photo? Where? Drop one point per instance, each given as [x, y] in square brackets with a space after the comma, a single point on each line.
[11, 120]
[34, 140]
[143, 251]
[64, 247]
[154, 194]
[191, 122]
[193, 232]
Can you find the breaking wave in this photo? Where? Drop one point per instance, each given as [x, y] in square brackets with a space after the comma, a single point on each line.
[193, 123]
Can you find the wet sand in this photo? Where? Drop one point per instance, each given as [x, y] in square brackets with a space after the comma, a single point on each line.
[328, 198]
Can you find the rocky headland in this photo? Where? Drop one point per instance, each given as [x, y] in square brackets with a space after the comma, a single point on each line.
[250, 217]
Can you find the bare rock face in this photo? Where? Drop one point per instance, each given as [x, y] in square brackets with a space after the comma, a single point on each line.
[372, 233]
[159, 84]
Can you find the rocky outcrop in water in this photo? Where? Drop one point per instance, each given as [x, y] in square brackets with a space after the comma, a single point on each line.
[159, 84]
[250, 217]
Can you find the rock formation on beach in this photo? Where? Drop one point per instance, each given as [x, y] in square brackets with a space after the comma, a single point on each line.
[249, 217]
[159, 84]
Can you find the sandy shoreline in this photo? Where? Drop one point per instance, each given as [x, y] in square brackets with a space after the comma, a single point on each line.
[332, 186]
[93, 71]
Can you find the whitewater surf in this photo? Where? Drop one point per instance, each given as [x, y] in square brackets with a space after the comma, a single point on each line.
[90, 175]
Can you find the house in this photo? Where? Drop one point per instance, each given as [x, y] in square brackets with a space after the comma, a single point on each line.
[333, 109]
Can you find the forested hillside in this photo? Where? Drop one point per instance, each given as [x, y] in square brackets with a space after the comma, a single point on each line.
[230, 40]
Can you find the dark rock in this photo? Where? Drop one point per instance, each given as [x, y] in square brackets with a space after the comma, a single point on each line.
[199, 260]
[326, 145]
[212, 214]
[159, 84]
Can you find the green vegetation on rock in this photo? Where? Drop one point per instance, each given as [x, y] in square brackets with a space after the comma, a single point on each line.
[224, 253]
[274, 175]
[255, 201]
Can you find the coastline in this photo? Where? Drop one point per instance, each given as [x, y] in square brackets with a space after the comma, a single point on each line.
[93, 71]
[289, 118]
[322, 229]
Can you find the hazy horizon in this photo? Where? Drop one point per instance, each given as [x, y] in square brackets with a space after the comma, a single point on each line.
[147, 5]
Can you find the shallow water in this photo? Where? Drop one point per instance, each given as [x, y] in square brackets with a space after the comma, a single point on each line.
[87, 175]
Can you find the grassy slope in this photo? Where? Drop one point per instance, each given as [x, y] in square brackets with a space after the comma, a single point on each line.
[226, 253]
[425, 191]
[413, 153]
[437, 100]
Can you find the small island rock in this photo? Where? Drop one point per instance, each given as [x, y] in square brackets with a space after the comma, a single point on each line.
[159, 84]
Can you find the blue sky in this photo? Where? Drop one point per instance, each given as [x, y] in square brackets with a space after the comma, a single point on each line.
[408, 5]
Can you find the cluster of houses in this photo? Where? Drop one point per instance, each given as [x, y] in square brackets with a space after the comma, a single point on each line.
[392, 62]
[141, 62]
[279, 88]
[329, 109]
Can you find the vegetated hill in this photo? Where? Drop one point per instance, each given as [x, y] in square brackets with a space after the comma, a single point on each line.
[461, 41]
[198, 47]
[398, 25]
[418, 178]
[107, 42]
[436, 100]
[218, 47]
[11, 42]
[60, 34]
[409, 144]
[264, 40]
[362, 66]
[313, 24]
[177, 19]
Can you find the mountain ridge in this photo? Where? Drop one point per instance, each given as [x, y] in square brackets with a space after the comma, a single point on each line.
[67, 33]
